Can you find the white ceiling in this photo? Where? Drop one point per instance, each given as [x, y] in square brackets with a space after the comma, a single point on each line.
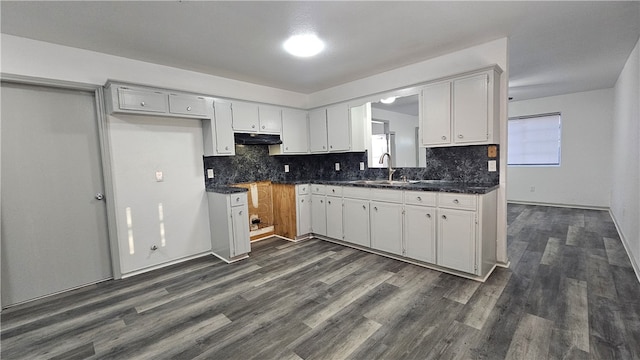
[554, 48]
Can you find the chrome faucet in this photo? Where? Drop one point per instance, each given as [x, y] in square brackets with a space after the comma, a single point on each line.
[391, 170]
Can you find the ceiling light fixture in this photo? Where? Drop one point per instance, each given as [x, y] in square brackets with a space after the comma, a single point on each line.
[389, 100]
[304, 45]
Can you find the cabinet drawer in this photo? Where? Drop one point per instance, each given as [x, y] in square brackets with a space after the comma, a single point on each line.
[425, 198]
[356, 192]
[142, 100]
[457, 201]
[318, 189]
[334, 190]
[238, 199]
[188, 105]
[386, 195]
[302, 189]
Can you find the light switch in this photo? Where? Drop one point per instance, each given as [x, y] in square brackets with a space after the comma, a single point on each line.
[493, 165]
[286, 168]
[209, 173]
[361, 165]
[337, 166]
[159, 176]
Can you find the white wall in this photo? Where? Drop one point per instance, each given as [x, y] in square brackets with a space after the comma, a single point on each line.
[584, 175]
[21, 56]
[404, 127]
[625, 193]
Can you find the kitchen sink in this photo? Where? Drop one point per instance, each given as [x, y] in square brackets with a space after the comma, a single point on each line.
[399, 182]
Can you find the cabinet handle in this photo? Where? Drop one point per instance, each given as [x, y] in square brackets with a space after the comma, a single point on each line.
[444, 138]
[375, 208]
[321, 201]
[419, 198]
[263, 126]
[460, 136]
[444, 217]
[323, 147]
[455, 201]
[226, 148]
[142, 103]
[330, 146]
[253, 126]
[237, 199]
[333, 190]
[154, 247]
[188, 108]
[328, 201]
[302, 200]
[286, 148]
[364, 207]
[240, 212]
[428, 216]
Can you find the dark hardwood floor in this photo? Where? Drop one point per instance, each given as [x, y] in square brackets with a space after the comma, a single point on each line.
[570, 293]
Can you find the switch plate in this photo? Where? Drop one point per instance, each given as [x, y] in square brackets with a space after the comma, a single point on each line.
[159, 176]
[361, 165]
[493, 166]
[209, 173]
[286, 168]
[337, 166]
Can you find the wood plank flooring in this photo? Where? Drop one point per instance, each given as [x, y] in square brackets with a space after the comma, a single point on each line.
[570, 293]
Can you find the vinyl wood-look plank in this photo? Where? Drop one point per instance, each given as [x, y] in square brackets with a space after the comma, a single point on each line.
[570, 293]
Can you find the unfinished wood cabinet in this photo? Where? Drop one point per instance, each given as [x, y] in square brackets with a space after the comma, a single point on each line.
[284, 210]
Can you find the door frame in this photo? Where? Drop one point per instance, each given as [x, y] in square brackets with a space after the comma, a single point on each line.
[105, 155]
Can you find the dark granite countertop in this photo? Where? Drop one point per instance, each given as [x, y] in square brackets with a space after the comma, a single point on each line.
[422, 185]
[226, 189]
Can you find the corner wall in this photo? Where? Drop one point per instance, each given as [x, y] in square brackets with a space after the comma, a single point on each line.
[625, 193]
[584, 175]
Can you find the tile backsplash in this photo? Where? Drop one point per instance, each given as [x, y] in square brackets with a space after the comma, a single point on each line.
[253, 163]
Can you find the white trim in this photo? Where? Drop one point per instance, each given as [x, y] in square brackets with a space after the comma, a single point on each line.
[634, 264]
[163, 265]
[572, 206]
[56, 293]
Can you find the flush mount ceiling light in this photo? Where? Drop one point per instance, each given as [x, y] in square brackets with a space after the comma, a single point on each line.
[304, 45]
[388, 100]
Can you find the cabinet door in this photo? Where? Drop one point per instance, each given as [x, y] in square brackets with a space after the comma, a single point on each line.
[338, 130]
[245, 117]
[319, 214]
[334, 217]
[295, 129]
[470, 109]
[420, 233]
[457, 239]
[270, 119]
[223, 119]
[241, 242]
[386, 227]
[142, 100]
[190, 105]
[435, 127]
[303, 209]
[356, 221]
[318, 130]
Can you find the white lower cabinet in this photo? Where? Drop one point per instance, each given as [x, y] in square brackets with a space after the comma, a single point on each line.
[420, 233]
[303, 210]
[319, 214]
[229, 222]
[386, 227]
[334, 217]
[356, 221]
[457, 239]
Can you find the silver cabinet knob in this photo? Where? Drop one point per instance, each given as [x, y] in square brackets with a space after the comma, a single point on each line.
[444, 217]
[302, 200]
[460, 136]
[364, 207]
[428, 216]
[286, 148]
[188, 108]
[323, 147]
[253, 126]
[142, 103]
[328, 201]
[240, 212]
[456, 201]
[154, 247]
[238, 199]
[321, 201]
[263, 126]
[333, 190]
[375, 208]
[419, 198]
[226, 148]
[444, 138]
[99, 196]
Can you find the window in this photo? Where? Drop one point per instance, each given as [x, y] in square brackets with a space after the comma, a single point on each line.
[534, 140]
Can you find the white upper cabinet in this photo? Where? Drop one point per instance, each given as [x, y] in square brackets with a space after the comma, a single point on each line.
[245, 117]
[318, 130]
[338, 129]
[270, 119]
[461, 111]
[223, 131]
[295, 131]
[188, 105]
[436, 114]
[141, 100]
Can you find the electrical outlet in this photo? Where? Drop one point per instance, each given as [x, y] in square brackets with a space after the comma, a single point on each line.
[337, 166]
[209, 173]
[286, 168]
[493, 166]
[361, 165]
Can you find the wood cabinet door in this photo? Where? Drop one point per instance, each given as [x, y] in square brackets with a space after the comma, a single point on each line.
[386, 227]
[318, 130]
[435, 128]
[356, 221]
[470, 109]
[338, 130]
[457, 239]
[420, 233]
[319, 214]
[334, 217]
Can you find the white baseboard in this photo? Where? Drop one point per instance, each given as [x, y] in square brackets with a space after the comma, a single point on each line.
[627, 248]
[572, 206]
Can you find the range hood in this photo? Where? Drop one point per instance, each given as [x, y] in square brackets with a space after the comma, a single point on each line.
[256, 139]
